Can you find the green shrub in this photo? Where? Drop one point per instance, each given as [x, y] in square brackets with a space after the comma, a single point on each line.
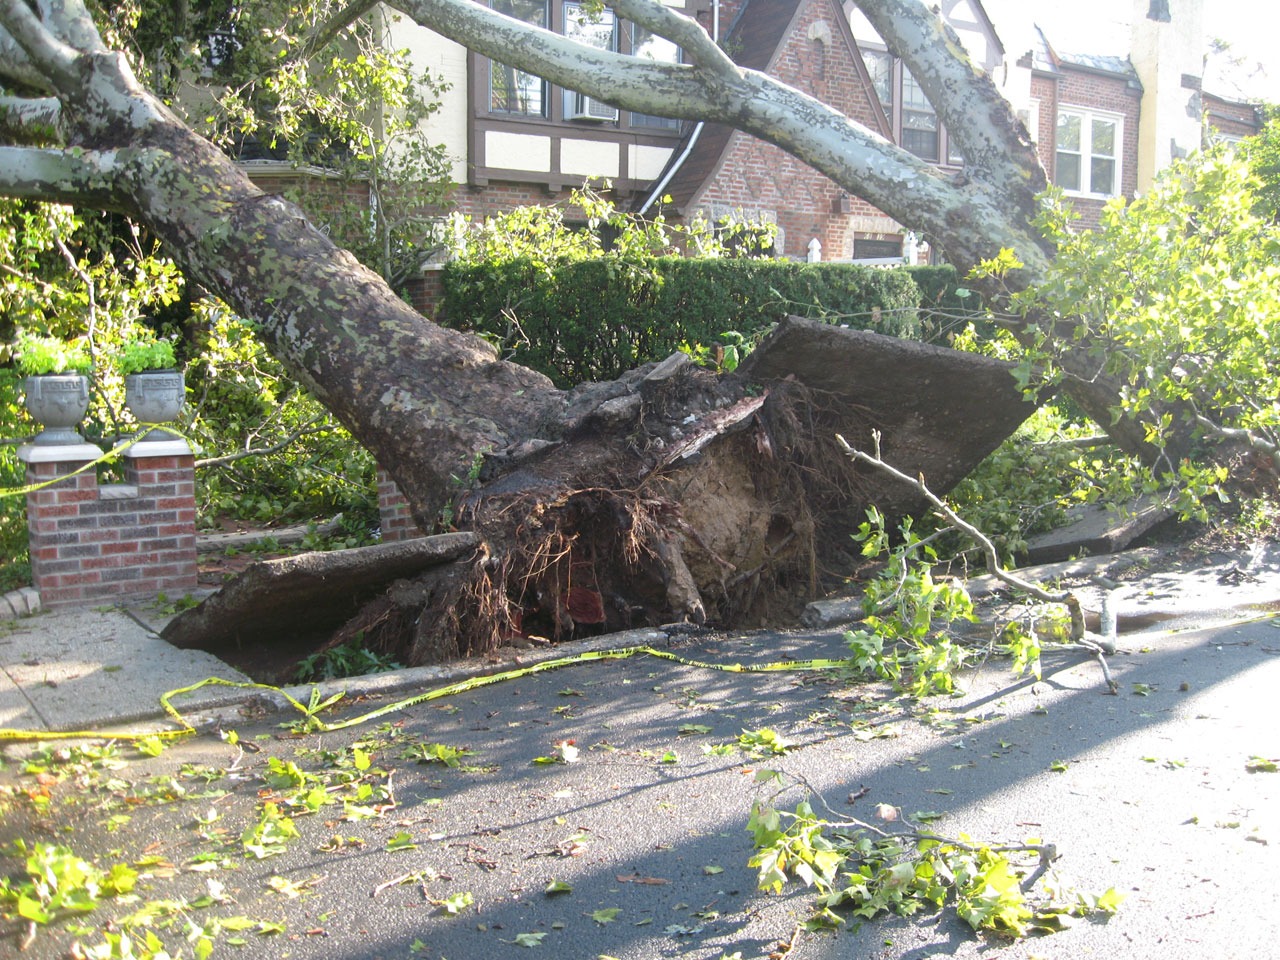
[41, 355]
[595, 319]
[137, 356]
[948, 305]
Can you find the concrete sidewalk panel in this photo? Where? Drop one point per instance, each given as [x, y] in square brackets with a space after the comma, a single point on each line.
[85, 668]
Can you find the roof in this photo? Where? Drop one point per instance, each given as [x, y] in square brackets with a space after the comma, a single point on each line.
[1045, 58]
[758, 33]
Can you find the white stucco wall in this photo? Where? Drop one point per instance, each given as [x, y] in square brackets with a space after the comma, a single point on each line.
[1163, 53]
[517, 151]
[590, 158]
[444, 58]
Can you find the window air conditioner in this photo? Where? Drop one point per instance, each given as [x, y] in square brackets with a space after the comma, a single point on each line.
[584, 108]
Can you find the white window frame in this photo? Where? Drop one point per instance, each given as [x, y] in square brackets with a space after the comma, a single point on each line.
[1087, 116]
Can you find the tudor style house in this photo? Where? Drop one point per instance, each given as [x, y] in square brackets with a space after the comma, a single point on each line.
[1103, 124]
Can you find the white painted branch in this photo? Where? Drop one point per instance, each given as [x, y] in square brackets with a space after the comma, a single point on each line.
[680, 30]
[16, 67]
[77, 176]
[978, 119]
[50, 56]
[23, 113]
[71, 22]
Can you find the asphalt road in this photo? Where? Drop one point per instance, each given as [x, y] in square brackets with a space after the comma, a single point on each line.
[1146, 792]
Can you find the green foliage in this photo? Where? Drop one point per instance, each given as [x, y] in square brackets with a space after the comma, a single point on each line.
[349, 108]
[948, 306]
[907, 612]
[146, 353]
[58, 883]
[1177, 295]
[1027, 484]
[596, 319]
[345, 660]
[241, 399]
[862, 872]
[1262, 153]
[42, 355]
[582, 292]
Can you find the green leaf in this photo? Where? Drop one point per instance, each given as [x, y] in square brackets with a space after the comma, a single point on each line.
[557, 886]
[1257, 764]
[605, 915]
[401, 841]
[691, 729]
[528, 939]
[455, 904]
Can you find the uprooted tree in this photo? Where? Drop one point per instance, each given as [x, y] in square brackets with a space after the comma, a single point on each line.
[669, 493]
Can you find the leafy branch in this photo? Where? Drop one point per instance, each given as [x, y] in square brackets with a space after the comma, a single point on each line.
[994, 567]
[863, 870]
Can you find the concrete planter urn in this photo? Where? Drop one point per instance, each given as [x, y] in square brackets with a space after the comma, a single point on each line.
[58, 402]
[155, 396]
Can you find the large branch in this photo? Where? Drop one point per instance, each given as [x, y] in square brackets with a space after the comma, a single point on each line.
[680, 30]
[17, 68]
[86, 177]
[970, 219]
[49, 55]
[979, 121]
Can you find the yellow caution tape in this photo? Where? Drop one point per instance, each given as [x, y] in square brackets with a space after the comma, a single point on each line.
[312, 723]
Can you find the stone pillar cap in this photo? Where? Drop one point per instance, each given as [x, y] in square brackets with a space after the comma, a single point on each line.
[159, 448]
[58, 452]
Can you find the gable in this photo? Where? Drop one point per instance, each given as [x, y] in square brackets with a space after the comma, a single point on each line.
[804, 43]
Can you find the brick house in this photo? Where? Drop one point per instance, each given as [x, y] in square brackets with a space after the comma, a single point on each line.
[1103, 124]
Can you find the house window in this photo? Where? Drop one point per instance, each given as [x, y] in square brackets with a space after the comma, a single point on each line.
[599, 31]
[513, 91]
[1087, 153]
[919, 121]
[520, 95]
[880, 66]
[911, 117]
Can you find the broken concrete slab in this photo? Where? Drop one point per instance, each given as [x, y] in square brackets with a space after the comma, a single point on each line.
[939, 412]
[1096, 529]
[293, 600]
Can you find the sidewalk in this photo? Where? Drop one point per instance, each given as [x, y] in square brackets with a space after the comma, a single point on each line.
[86, 669]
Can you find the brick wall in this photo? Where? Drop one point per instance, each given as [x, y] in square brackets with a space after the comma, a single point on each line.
[93, 542]
[758, 177]
[397, 522]
[1230, 118]
[1089, 90]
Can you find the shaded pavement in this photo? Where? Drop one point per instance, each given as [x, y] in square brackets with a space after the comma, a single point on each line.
[1146, 792]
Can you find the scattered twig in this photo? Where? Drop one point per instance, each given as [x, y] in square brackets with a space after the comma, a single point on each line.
[1067, 598]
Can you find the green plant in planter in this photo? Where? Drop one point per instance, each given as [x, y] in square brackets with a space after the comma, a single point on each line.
[37, 356]
[139, 356]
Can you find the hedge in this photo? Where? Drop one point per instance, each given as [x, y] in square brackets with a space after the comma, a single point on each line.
[947, 305]
[596, 319]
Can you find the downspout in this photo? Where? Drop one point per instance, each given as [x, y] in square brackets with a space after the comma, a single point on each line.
[697, 130]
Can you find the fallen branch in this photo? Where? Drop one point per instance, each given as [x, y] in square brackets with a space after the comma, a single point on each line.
[1065, 597]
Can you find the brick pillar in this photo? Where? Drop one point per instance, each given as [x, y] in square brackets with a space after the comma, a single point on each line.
[396, 521]
[116, 541]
